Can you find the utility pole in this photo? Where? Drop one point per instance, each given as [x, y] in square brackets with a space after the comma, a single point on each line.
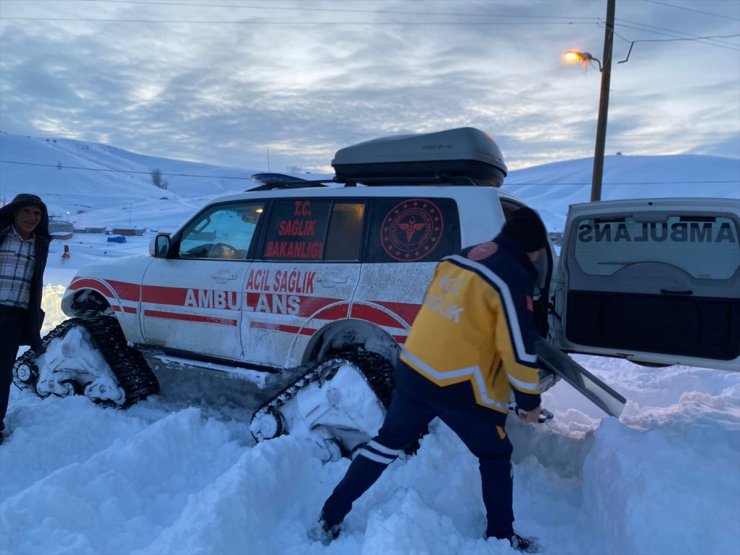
[606, 73]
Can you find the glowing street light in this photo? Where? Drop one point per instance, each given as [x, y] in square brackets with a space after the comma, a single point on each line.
[576, 57]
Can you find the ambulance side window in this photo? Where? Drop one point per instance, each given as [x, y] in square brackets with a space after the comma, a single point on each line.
[344, 241]
[223, 232]
[314, 229]
[297, 229]
[413, 230]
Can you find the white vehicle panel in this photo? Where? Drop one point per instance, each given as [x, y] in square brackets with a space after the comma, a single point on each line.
[119, 283]
[288, 302]
[652, 280]
[195, 305]
[392, 308]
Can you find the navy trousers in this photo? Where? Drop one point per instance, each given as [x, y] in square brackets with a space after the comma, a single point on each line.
[407, 418]
[12, 321]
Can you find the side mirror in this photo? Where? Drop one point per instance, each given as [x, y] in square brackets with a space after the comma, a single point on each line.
[160, 245]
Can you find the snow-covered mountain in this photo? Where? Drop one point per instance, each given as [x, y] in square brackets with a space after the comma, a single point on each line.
[96, 184]
[103, 185]
[82, 167]
[551, 188]
[164, 477]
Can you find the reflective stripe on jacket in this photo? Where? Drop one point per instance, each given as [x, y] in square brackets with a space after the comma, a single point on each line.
[476, 327]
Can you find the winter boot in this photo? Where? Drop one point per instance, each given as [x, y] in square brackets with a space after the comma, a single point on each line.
[320, 532]
[525, 545]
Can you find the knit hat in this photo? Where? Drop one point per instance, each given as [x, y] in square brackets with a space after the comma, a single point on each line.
[526, 228]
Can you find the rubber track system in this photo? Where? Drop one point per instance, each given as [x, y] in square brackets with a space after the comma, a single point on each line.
[128, 365]
[376, 370]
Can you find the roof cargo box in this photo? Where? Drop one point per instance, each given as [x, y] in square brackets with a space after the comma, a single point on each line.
[465, 155]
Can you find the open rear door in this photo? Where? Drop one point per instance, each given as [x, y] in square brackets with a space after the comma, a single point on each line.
[599, 393]
[656, 281]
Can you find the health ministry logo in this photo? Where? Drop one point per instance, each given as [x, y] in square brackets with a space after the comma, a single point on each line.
[411, 230]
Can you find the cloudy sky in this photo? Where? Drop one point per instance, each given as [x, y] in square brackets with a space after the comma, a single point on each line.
[241, 83]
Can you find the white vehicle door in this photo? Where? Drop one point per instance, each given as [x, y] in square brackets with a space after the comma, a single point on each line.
[193, 301]
[406, 239]
[303, 276]
[656, 281]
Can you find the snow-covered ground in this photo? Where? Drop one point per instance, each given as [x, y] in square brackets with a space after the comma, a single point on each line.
[162, 477]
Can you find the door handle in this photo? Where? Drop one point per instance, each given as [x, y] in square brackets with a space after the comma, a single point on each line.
[672, 292]
[331, 281]
[224, 276]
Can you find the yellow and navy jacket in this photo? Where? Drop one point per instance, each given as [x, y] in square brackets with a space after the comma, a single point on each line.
[472, 343]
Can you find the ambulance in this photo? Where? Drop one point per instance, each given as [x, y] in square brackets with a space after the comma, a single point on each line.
[301, 293]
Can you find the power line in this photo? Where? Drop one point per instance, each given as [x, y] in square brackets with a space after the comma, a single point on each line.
[204, 176]
[621, 183]
[632, 43]
[541, 19]
[108, 170]
[654, 28]
[319, 9]
[669, 33]
[309, 8]
[693, 10]
[292, 22]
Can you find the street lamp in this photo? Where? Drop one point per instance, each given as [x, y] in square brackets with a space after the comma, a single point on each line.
[576, 57]
[573, 56]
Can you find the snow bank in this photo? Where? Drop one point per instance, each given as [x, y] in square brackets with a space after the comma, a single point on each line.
[79, 478]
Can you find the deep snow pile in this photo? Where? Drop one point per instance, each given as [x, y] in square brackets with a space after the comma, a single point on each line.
[160, 478]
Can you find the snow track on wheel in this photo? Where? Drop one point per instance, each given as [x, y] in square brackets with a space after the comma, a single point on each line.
[126, 379]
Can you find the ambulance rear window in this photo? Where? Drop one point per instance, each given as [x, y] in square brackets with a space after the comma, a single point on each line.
[706, 247]
[413, 230]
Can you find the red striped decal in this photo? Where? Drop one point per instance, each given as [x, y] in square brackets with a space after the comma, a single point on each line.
[95, 284]
[191, 317]
[163, 295]
[126, 291]
[127, 309]
[407, 311]
[104, 289]
[376, 316]
[307, 307]
[313, 306]
[109, 288]
[336, 312]
[325, 308]
[281, 327]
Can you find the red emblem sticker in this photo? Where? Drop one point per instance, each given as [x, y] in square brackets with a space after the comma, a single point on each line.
[411, 230]
[484, 250]
[530, 304]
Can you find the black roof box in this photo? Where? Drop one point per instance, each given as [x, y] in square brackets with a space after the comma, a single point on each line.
[465, 155]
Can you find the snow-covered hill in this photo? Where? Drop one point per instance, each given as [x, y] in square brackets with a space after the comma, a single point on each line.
[96, 184]
[551, 188]
[116, 185]
[164, 477]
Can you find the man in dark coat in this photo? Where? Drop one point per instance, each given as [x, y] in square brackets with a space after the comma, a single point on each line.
[24, 248]
[470, 349]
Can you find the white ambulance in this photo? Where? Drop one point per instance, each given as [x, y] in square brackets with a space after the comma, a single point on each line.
[304, 291]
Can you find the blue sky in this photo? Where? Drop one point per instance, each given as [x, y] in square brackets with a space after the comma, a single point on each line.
[239, 82]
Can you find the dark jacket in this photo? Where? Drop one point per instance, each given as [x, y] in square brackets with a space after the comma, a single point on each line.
[472, 343]
[32, 331]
